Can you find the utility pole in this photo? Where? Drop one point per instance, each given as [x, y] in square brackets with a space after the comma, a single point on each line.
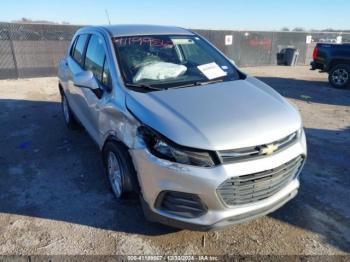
[109, 20]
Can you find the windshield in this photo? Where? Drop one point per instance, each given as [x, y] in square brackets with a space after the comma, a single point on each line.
[167, 61]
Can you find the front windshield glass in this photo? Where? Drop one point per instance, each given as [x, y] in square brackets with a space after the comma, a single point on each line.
[167, 61]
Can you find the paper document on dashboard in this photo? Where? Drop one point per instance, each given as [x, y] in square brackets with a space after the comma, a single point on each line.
[212, 70]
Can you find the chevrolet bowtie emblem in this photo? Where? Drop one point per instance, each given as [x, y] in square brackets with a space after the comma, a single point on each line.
[268, 149]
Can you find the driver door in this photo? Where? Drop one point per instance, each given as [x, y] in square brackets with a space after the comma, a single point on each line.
[92, 101]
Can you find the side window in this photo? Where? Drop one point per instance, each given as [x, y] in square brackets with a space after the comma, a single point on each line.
[71, 52]
[95, 60]
[79, 49]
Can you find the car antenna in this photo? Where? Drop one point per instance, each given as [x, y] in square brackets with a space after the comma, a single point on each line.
[109, 21]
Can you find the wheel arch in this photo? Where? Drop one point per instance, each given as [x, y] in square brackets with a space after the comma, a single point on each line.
[337, 61]
[113, 138]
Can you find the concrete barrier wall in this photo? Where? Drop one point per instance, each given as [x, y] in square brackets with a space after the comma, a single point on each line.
[33, 50]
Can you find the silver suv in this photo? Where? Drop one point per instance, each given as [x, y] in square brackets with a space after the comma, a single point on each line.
[203, 144]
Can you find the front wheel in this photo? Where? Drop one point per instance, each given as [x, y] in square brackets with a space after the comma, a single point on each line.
[339, 76]
[119, 169]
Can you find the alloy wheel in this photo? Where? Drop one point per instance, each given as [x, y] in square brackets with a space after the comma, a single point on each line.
[340, 77]
[115, 174]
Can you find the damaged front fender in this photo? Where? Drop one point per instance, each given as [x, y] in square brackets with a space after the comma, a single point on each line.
[120, 126]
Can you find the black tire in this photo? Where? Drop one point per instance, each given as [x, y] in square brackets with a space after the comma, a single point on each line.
[129, 181]
[68, 116]
[339, 76]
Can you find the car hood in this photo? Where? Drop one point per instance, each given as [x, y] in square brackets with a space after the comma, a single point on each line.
[220, 116]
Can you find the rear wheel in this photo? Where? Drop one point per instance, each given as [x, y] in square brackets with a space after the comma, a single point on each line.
[339, 76]
[67, 114]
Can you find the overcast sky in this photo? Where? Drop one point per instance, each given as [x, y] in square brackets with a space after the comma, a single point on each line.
[212, 14]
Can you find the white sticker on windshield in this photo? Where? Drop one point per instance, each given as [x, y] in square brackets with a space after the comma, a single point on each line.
[212, 70]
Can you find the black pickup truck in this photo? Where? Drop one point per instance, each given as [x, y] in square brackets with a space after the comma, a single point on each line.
[335, 60]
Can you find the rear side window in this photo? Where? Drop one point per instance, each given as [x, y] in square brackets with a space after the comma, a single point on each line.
[79, 49]
[95, 60]
[71, 52]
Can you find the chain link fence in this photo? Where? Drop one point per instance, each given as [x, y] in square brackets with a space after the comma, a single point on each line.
[256, 48]
[34, 50]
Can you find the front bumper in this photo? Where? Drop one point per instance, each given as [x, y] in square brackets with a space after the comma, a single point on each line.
[156, 217]
[156, 175]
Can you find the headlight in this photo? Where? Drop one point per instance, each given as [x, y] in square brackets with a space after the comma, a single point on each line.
[165, 149]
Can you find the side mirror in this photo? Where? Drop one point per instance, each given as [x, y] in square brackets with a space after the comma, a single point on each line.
[86, 79]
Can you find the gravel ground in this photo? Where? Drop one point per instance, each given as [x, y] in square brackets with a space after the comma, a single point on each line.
[55, 199]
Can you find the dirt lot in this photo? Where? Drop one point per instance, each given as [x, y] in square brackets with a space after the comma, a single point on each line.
[55, 199]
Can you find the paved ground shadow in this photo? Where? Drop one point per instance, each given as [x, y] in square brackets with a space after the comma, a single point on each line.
[51, 172]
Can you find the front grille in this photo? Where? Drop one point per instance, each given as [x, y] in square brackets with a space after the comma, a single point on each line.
[180, 204]
[258, 186]
[227, 156]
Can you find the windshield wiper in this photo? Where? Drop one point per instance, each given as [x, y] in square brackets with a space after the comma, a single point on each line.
[144, 86]
[195, 83]
[199, 83]
[184, 85]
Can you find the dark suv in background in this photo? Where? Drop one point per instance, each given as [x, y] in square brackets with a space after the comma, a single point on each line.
[335, 60]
